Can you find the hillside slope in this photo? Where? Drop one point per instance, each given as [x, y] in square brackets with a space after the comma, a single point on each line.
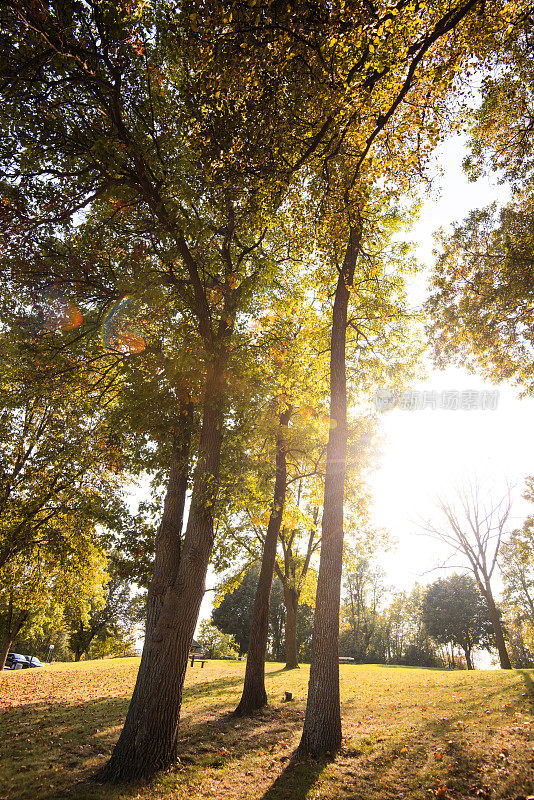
[409, 733]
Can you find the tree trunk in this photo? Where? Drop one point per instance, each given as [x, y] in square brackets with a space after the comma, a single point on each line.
[4, 649]
[11, 631]
[468, 660]
[254, 695]
[355, 626]
[169, 536]
[148, 739]
[322, 723]
[495, 617]
[291, 600]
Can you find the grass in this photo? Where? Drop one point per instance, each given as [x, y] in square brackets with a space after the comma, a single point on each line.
[409, 733]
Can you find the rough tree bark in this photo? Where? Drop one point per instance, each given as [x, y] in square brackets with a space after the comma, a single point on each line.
[322, 723]
[148, 740]
[254, 695]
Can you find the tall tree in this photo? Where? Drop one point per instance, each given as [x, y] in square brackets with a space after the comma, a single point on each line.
[363, 594]
[287, 408]
[115, 612]
[254, 695]
[427, 55]
[293, 379]
[143, 74]
[474, 527]
[40, 584]
[293, 333]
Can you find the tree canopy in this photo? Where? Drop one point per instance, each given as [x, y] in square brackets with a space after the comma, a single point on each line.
[454, 611]
[162, 165]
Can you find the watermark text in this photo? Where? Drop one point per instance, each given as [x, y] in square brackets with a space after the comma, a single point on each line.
[446, 400]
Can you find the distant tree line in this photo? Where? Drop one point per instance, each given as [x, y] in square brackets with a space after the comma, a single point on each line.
[439, 625]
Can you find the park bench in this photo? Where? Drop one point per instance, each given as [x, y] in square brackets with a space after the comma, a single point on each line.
[202, 659]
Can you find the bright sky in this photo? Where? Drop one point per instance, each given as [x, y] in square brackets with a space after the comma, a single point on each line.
[426, 453]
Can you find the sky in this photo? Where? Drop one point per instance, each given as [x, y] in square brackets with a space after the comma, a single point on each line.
[426, 453]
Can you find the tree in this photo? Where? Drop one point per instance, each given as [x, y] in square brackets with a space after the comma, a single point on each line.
[113, 617]
[322, 726]
[294, 574]
[214, 643]
[304, 632]
[233, 614]
[290, 383]
[454, 611]
[61, 476]
[417, 648]
[298, 379]
[361, 610]
[37, 586]
[480, 308]
[480, 305]
[384, 633]
[284, 447]
[474, 528]
[517, 568]
[60, 463]
[254, 695]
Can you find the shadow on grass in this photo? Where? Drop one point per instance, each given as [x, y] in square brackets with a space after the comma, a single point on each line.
[51, 749]
[297, 779]
[205, 745]
[529, 686]
[274, 672]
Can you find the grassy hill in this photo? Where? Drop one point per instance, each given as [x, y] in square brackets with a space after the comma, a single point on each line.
[409, 733]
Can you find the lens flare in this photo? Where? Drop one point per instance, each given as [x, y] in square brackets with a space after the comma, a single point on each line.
[118, 335]
[51, 313]
[61, 315]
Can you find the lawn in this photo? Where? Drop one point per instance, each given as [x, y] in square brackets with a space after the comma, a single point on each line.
[409, 733]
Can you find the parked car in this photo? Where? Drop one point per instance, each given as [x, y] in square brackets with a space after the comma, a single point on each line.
[33, 661]
[18, 661]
